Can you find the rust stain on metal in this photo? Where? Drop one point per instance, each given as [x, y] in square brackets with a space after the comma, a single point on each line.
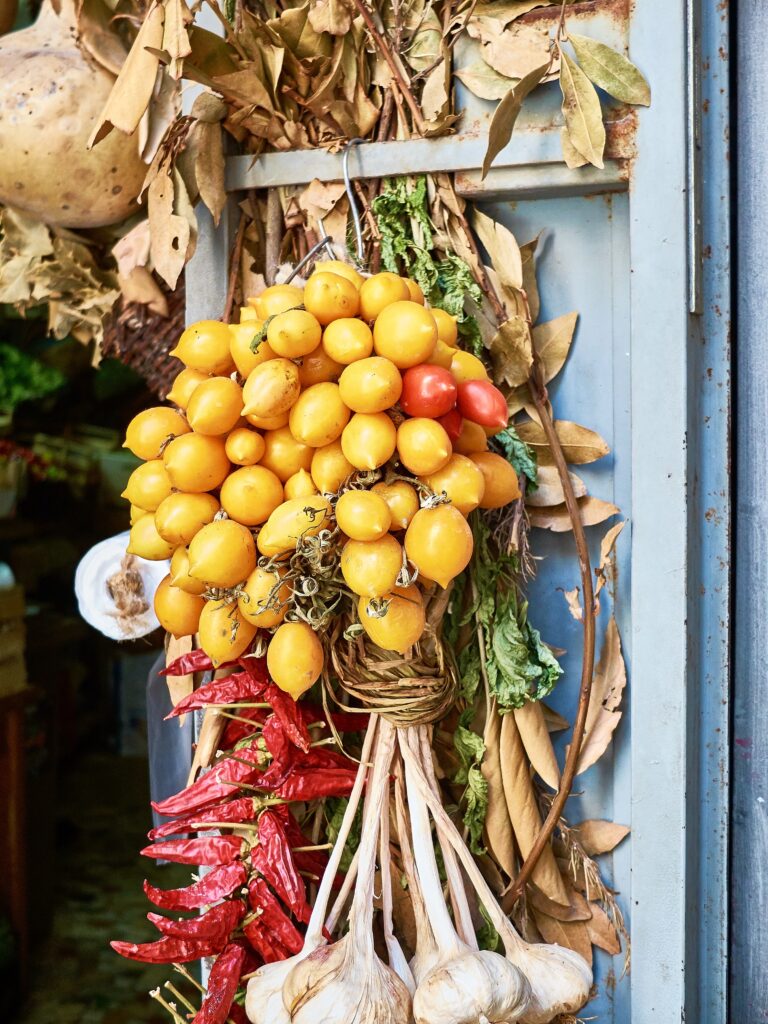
[620, 136]
[619, 10]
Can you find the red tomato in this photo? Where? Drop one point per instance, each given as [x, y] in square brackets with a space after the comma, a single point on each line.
[452, 423]
[428, 390]
[483, 403]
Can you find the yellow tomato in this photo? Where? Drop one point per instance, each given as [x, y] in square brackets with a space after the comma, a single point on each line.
[248, 313]
[423, 445]
[180, 516]
[465, 366]
[471, 439]
[447, 327]
[271, 389]
[177, 611]
[277, 299]
[371, 568]
[415, 294]
[240, 343]
[318, 367]
[330, 297]
[294, 519]
[402, 623]
[222, 554]
[369, 440]
[405, 333]
[330, 468]
[342, 269]
[180, 573]
[151, 429]
[148, 485]
[204, 346]
[402, 500]
[461, 480]
[300, 485]
[379, 291]
[319, 416]
[196, 462]
[371, 385]
[439, 543]
[363, 515]
[501, 483]
[294, 333]
[224, 633]
[215, 406]
[284, 455]
[251, 494]
[244, 447]
[136, 513]
[146, 542]
[347, 340]
[295, 657]
[183, 386]
[442, 355]
[269, 422]
[264, 598]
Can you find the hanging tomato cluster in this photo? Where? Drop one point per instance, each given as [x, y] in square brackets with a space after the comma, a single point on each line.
[342, 409]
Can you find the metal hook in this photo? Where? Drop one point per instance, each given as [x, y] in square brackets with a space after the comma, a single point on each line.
[305, 259]
[353, 199]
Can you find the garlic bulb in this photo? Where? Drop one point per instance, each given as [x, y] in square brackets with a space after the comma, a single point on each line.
[559, 979]
[264, 994]
[466, 986]
[346, 982]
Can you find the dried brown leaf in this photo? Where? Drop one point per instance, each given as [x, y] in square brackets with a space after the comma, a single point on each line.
[506, 114]
[572, 934]
[502, 247]
[558, 519]
[170, 232]
[577, 910]
[571, 156]
[550, 490]
[518, 51]
[139, 286]
[530, 285]
[499, 837]
[582, 112]
[332, 16]
[209, 167]
[605, 571]
[511, 351]
[555, 722]
[481, 80]
[602, 932]
[505, 11]
[552, 342]
[610, 70]
[133, 88]
[96, 35]
[580, 444]
[603, 714]
[573, 600]
[596, 836]
[538, 746]
[176, 41]
[179, 687]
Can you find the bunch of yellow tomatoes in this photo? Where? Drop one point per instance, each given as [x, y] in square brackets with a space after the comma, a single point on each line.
[343, 406]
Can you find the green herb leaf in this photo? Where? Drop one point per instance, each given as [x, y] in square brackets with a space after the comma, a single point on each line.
[335, 809]
[470, 748]
[518, 454]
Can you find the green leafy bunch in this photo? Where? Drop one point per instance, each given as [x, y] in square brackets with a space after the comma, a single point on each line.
[23, 378]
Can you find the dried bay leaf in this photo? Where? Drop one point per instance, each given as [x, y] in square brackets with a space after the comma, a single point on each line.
[332, 16]
[582, 112]
[608, 686]
[605, 570]
[511, 350]
[498, 828]
[98, 38]
[139, 286]
[523, 810]
[481, 80]
[601, 931]
[538, 746]
[555, 722]
[506, 114]
[558, 519]
[502, 247]
[572, 934]
[171, 236]
[571, 156]
[577, 910]
[573, 600]
[549, 490]
[611, 70]
[597, 836]
[175, 36]
[580, 445]
[135, 84]
[530, 285]
[552, 342]
[518, 51]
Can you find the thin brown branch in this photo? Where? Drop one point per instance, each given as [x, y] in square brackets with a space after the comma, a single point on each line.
[399, 80]
[274, 235]
[480, 275]
[234, 268]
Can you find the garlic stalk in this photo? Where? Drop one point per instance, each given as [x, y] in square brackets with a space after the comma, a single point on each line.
[264, 994]
[559, 978]
[346, 982]
[466, 986]
[397, 960]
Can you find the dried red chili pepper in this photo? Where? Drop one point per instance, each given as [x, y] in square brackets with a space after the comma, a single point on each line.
[313, 861]
[223, 983]
[237, 1013]
[238, 730]
[311, 785]
[206, 850]
[168, 950]
[217, 784]
[241, 811]
[218, 922]
[272, 933]
[288, 714]
[273, 859]
[228, 690]
[194, 661]
[216, 885]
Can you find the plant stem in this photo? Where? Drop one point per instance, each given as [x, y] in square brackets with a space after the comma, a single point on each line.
[234, 269]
